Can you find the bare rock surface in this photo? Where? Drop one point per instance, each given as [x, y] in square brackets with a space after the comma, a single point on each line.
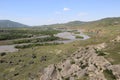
[84, 62]
[117, 39]
[115, 70]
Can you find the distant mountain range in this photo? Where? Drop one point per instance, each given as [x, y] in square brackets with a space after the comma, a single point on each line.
[10, 24]
[98, 23]
[70, 24]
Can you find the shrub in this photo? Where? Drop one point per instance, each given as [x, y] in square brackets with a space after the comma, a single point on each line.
[2, 54]
[67, 78]
[79, 37]
[59, 69]
[51, 38]
[84, 66]
[100, 53]
[33, 45]
[72, 62]
[108, 73]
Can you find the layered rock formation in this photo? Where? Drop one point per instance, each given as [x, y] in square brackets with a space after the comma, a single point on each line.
[117, 39]
[84, 62]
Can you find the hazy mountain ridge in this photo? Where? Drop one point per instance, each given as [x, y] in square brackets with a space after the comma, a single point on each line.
[110, 21]
[101, 22]
[106, 22]
[9, 24]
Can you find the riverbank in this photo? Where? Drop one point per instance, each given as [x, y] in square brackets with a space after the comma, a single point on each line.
[67, 38]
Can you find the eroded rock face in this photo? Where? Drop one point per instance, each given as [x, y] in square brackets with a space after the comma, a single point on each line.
[117, 39]
[48, 72]
[115, 70]
[100, 46]
[84, 62]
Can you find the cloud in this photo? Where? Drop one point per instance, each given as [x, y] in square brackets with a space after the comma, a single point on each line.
[66, 9]
[62, 12]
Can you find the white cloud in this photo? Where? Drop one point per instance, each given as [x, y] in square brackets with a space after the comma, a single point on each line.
[66, 9]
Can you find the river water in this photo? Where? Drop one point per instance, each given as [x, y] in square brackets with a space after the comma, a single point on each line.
[70, 37]
[8, 48]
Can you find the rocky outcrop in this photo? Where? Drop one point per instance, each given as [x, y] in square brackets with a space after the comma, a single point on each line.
[117, 39]
[84, 62]
[100, 46]
[49, 71]
[115, 70]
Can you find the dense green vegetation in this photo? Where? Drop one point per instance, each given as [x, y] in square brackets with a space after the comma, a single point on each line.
[100, 53]
[16, 33]
[35, 40]
[109, 75]
[11, 24]
[7, 34]
[79, 37]
[49, 32]
[33, 45]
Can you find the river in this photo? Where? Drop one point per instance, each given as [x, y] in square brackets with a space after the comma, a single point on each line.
[69, 36]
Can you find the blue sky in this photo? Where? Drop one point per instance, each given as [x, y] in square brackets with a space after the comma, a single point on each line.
[40, 12]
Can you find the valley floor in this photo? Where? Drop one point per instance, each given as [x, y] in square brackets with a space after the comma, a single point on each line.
[81, 59]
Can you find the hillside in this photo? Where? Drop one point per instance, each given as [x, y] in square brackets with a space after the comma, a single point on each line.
[105, 22]
[9, 24]
[97, 58]
[68, 24]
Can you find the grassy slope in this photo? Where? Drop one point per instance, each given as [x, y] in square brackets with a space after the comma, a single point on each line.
[104, 31]
[54, 54]
[107, 34]
[57, 53]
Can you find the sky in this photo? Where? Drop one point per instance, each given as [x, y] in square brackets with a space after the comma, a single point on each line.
[43, 12]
